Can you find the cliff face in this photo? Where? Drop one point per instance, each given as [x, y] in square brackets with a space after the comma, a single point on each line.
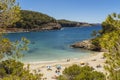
[67, 23]
[51, 26]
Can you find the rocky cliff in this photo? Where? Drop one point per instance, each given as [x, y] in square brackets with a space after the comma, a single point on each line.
[51, 26]
[67, 23]
[86, 44]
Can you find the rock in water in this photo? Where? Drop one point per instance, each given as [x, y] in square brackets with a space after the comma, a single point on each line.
[86, 44]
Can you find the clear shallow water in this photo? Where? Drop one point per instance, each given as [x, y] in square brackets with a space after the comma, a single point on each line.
[55, 44]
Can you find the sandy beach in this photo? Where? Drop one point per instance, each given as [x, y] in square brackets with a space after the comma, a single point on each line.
[94, 60]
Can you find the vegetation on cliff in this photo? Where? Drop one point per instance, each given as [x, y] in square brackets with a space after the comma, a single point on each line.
[39, 21]
[32, 20]
[36, 21]
[68, 23]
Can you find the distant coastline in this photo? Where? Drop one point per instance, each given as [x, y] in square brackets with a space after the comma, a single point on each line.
[19, 30]
[36, 21]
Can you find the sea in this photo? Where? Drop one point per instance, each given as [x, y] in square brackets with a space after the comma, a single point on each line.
[55, 44]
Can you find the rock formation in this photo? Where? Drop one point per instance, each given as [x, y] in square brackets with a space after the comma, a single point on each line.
[86, 44]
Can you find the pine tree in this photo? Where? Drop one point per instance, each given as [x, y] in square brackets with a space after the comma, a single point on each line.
[110, 40]
[11, 69]
[9, 13]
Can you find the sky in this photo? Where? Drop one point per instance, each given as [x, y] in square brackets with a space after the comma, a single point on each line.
[92, 11]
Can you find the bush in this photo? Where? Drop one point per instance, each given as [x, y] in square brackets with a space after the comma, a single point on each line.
[14, 70]
[76, 72]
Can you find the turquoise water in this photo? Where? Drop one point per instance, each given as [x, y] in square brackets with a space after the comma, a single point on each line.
[55, 44]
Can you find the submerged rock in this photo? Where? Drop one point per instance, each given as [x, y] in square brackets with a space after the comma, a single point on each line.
[86, 44]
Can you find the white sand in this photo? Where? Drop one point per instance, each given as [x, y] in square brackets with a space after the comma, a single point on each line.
[92, 60]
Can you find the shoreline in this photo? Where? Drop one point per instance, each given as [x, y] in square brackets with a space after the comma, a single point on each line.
[92, 60]
[26, 31]
[62, 60]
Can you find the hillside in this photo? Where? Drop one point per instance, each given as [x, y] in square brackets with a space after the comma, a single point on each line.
[36, 21]
[67, 23]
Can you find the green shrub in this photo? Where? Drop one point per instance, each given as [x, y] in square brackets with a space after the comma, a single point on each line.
[14, 70]
[76, 72]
